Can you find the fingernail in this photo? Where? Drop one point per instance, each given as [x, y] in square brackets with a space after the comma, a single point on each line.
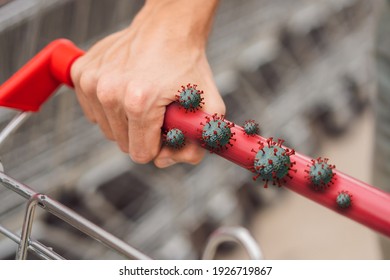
[165, 162]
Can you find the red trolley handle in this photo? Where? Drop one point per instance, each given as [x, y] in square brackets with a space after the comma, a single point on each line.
[31, 86]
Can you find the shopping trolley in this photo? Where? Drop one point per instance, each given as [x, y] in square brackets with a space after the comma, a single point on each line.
[51, 67]
[32, 80]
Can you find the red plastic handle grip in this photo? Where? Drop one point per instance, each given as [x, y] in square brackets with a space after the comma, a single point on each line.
[32, 85]
[37, 80]
[370, 206]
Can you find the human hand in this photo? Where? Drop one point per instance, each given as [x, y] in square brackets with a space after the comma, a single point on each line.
[126, 80]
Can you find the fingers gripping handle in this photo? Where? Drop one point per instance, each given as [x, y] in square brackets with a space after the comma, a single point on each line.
[36, 81]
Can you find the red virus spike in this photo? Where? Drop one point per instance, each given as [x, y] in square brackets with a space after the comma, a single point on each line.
[270, 142]
[280, 142]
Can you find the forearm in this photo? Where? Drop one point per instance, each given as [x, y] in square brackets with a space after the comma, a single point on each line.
[188, 19]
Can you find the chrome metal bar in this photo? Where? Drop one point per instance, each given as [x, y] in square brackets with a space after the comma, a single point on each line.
[15, 186]
[36, 247]
[232, 234]
[89, 228]
[13, 125]
[22, 251]
[73, 219]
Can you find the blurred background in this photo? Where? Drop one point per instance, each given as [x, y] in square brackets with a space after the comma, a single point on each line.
[301, 68]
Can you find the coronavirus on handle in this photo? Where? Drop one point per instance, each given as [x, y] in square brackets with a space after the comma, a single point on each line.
[275, 164]
[268, 159]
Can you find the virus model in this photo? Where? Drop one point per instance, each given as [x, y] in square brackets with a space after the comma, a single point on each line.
[320, 173]
[216, 133]
[174, 138]
[190, 98]
[272, 162]
[344, 199]
[251, 128]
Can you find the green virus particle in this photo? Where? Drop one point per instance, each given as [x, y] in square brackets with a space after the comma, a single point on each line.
[320, 174]
[174, 138]
[344, 199]
[216, 133]
[272, 162]
[251, 128]
[190, 98]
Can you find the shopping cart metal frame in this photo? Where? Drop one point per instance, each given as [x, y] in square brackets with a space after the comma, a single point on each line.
[51, 67]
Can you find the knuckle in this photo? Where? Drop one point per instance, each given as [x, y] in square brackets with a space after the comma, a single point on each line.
[106, 95]
[135, 102]
[88, 82]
